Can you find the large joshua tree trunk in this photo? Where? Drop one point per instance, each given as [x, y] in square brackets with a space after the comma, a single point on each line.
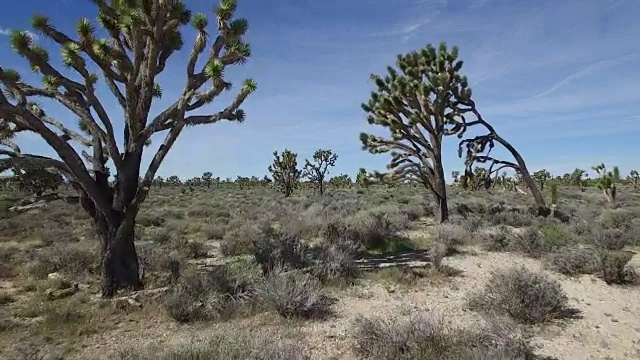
[119, 260]
[439, 189]
[116, 230]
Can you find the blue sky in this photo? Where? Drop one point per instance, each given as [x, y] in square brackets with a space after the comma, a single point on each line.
[557, 78]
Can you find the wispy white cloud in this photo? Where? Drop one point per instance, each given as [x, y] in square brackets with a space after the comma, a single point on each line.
[420, 14]
[7, 32]
[587, 20]
[587, 71]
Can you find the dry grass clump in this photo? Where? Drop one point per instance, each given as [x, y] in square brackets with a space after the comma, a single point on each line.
[224, 346]
[526, 296]
[420, 337]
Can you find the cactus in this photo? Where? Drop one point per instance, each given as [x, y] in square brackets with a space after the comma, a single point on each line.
[317, 170]
[285, 172]
[124, 53]
[607, 181]
[415, 103]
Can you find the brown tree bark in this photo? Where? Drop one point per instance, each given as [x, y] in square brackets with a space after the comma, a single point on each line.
[119, 260]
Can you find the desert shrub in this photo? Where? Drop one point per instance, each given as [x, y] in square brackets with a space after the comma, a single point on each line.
[556, 235]
[147, 219]
[421, 338]
[494, 240]
[11, 227]
[438, 252]
[376, 228]
[54, 236]
[615, 268]
[530, 242]
[574, 261]
[192, 249]
[200, 211]
[215, 231]
[8, 259]
[620, 219]
[511, 217]
[6, 298]
[220, 292]
[451, 236]
[335, 259]
[71, 259]
[240, 240]
[157, 235]
[224, 346]
[608, 238]
[470, 223]
[526, 296]
[279, 249]
[295, 294]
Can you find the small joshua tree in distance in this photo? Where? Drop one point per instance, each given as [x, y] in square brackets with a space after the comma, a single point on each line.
[207, 178]
[317, 170]
[634, 177]
[285, 172]
[541, 177]
[33, 177]
[607, 181]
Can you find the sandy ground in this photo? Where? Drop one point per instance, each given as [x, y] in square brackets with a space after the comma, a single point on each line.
[609, 327]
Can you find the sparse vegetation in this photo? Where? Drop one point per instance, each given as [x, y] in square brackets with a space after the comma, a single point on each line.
[117, 262]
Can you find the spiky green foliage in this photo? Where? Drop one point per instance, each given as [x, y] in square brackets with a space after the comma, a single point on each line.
[341, 181]
[125, 52]
[607, 181]
[317, 169]
[418, 103]
[362, 178]
[541, 177]
[285, 172]
[33, 177]
[478, 179]
[207, 178]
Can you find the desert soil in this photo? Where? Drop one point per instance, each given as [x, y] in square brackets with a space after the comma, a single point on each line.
[609, 327]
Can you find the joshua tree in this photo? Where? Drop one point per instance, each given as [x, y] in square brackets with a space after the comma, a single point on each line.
[141, 35]
[416, 103]
[541, 177]
[455, 175]
[362, 178]
[34, 178]
[207, 178]
[478, 150]
[317, 170]
[607, 181]
[341, 181]
[634, 177]
[285, 172]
